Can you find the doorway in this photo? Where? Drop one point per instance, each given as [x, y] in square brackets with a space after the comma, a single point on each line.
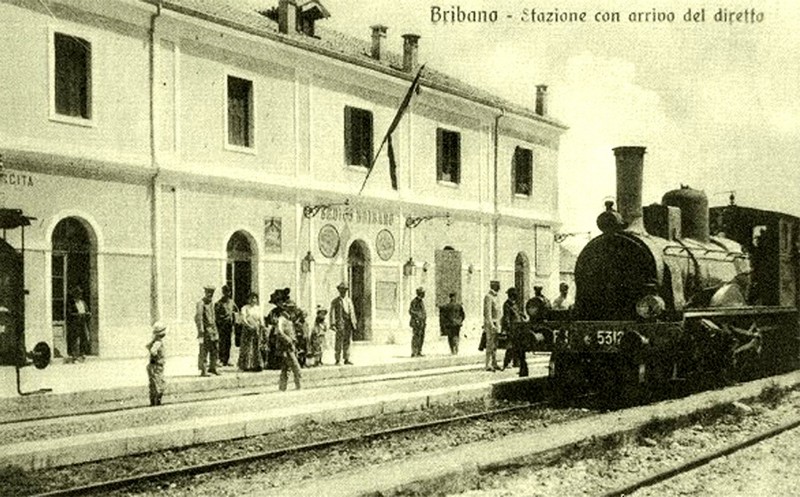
[358, 265]
[74, 264]
[239, 270]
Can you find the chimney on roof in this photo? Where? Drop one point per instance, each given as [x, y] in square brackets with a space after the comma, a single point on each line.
[378, 34]
[287, 16]
[410, 48]
[541, 100]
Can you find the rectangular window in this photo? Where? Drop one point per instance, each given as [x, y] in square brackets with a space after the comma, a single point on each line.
[357, 136]
[240, 112]
[73, 81]
[522, 171]
[448, 156]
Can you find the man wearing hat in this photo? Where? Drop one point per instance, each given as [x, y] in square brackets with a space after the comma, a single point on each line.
[417, 312]
[286, 340]
[207, 336]
[451, 318]
[491, 324]
[509, 325]
[155, 365]
[343, 322]
[225, 312]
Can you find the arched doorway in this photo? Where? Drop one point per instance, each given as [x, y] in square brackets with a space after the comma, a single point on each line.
[358, 266]
[522, 274]
[74, 265]
[240, 271]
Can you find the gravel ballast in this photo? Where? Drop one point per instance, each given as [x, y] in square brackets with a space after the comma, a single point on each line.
[764, 469]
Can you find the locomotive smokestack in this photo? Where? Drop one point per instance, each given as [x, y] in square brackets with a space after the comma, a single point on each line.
[630, 163]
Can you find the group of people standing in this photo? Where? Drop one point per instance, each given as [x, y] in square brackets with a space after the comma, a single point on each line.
[501, 326]
[281, 338]
[451, 318]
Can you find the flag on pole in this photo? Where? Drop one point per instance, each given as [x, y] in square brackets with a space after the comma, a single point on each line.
[387, 139]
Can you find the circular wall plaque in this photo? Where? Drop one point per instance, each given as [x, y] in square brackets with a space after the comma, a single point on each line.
[384, 244]
[328, 241]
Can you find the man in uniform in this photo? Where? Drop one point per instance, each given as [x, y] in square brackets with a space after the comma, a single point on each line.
[207, 335]
[512, 317]
[560, 303]
[417, 322]
[343, 322]
[225, 311]
[451, 317]
[491, 324]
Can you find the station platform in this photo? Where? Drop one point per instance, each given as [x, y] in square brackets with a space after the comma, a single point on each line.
[99, 373]
[105, 384]
[107, 415]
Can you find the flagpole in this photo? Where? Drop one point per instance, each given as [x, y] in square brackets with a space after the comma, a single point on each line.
[400, 111]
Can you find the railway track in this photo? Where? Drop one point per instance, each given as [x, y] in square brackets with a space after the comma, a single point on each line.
[98, 488]
[702, 460]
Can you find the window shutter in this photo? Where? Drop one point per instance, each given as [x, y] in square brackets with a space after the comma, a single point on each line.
[514, 171]
[348, 131]
[455, 170]
[369, 137]
[439, 153]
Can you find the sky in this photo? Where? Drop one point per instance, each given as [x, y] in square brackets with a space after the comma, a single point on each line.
[715, 103]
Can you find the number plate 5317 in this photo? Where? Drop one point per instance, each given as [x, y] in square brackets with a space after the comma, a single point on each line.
[606, 337]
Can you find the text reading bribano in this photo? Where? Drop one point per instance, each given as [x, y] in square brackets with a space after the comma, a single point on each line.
[454, 14]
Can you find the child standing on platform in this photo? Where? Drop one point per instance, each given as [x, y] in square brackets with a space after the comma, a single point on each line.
[155, 366]
[317, 341]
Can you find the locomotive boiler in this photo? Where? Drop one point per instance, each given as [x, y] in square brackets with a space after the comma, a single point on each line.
[660, 299]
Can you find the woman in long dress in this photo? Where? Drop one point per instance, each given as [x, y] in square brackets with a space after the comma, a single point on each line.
[252, 334]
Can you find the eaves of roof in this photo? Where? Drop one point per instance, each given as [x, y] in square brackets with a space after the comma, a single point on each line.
[342, 47]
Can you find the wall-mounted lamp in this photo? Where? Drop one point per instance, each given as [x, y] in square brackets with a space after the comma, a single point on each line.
[425, 267]
[413, 222]
[310, 211]
[560, 237]
[470, 269]
[305, 262]
[408, 267]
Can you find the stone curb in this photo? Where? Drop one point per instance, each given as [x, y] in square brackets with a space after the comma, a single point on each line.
[51, 453]
[12, 408]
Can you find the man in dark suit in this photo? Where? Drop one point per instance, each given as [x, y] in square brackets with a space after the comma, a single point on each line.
[451, 317]
[225, 312]
[78, 316]
[417, 322]
[343, 322]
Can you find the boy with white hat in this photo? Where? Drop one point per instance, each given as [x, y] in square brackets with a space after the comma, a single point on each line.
[155, 367]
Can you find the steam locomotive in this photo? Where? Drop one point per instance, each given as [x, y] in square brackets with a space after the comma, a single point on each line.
[659, 299]
[12, 301]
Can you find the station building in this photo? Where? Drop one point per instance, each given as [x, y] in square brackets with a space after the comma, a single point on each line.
[165, 145]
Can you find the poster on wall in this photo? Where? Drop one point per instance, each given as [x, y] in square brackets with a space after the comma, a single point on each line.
[272, 234]
[386, 295]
